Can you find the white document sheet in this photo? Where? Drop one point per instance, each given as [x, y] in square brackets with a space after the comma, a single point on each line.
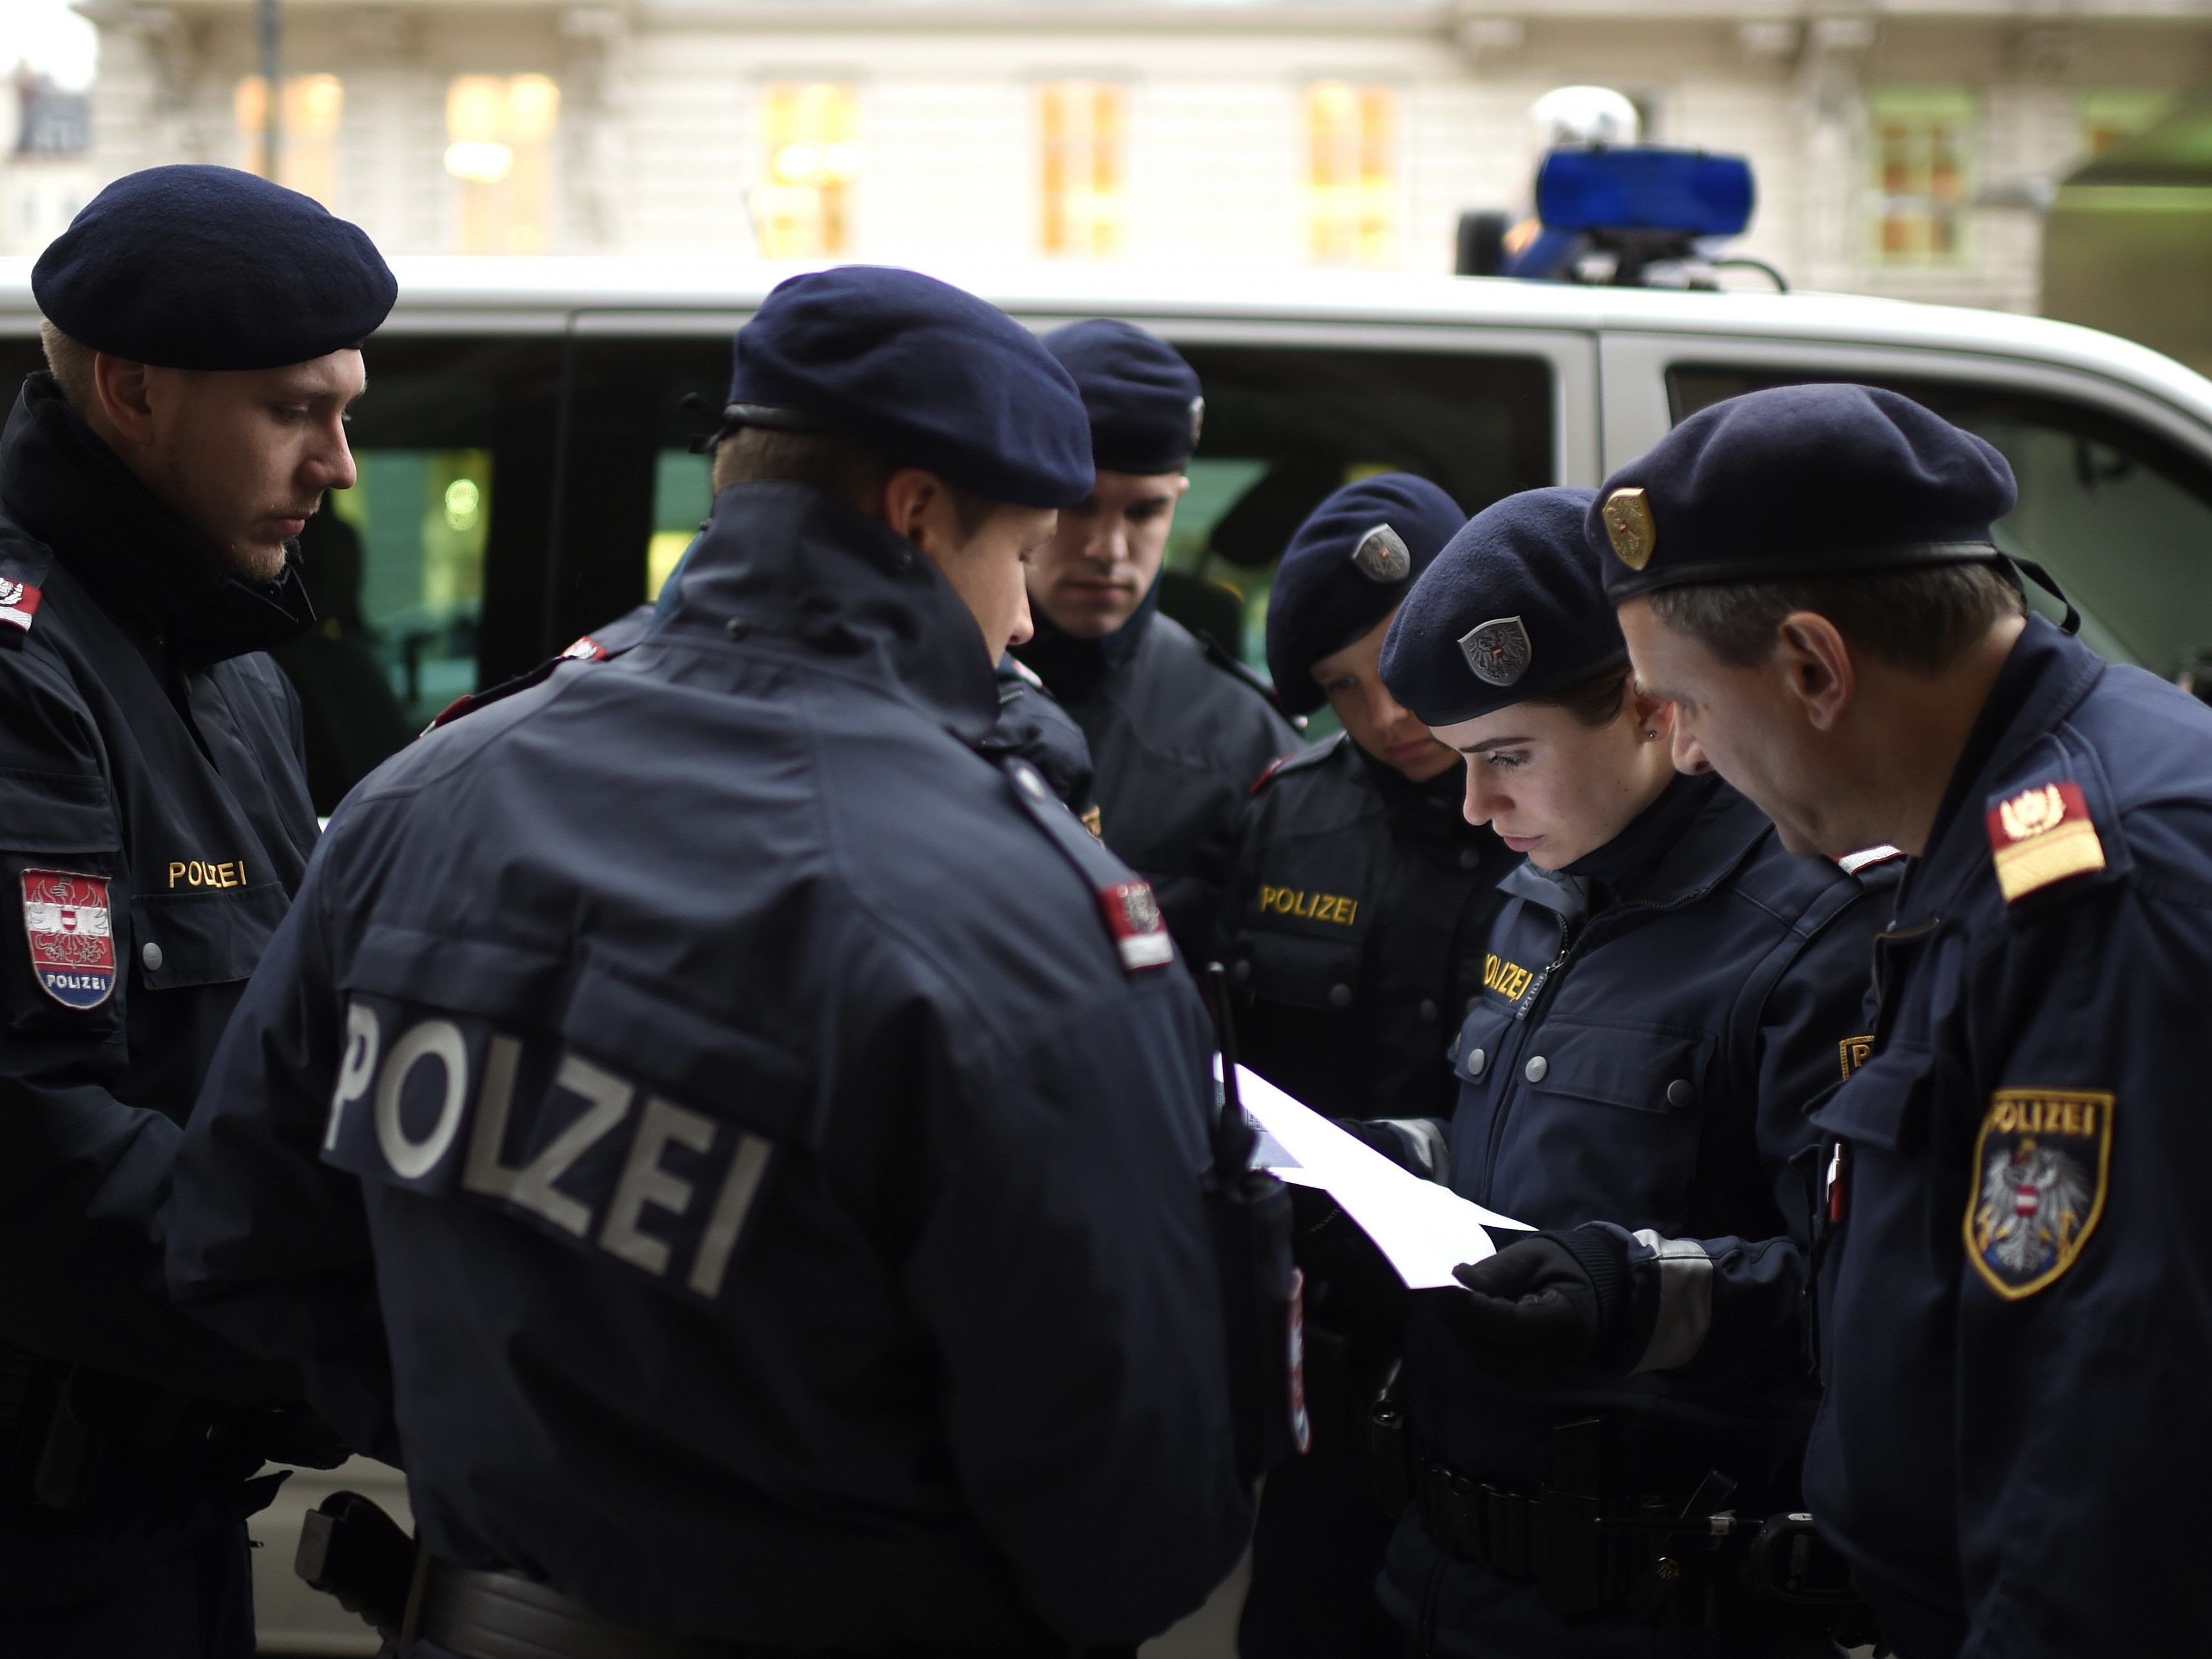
[1423, 1229]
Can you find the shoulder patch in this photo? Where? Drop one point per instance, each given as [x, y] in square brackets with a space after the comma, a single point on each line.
[1025, 671]
[2041, 1170]
[2041, 836]
[586, 649]
[19, 602]
[65, 917]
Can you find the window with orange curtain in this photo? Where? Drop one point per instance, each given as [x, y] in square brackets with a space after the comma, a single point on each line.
[1352, 186]
[810, 160]
[307, 132]
[1083, 141]
[499, 132]
[1924, 155]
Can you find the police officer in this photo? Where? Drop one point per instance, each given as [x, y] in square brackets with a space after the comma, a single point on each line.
[1666, 991]
[786, 1230]
[1356, 920]
[1178, 729]
[2015, 1276]
[202, 331]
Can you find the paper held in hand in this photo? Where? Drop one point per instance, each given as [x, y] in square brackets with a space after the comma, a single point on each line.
[1423, 1229]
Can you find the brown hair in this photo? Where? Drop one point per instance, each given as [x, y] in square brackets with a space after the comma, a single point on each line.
[1594, 700]
[1921, 621]
[841, 469]
[70, 363]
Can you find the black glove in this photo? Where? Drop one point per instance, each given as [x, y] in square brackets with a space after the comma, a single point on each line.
[1548, 1304]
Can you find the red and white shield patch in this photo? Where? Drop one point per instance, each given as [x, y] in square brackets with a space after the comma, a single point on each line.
[65, 917]
[1132, 917]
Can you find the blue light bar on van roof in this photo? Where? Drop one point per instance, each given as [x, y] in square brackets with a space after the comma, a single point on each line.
[1683, 192]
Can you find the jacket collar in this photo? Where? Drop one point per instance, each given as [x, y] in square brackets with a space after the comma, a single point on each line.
[1674, 853]
[64, 486]
[2044, 680]
[1071, 668]
[783, 562]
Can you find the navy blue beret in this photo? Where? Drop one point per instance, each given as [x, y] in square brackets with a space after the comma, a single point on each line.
[924, 373]
[1513, 608]
[1350, 563]
[201, 267]
[1800, 481]
[1145, 402]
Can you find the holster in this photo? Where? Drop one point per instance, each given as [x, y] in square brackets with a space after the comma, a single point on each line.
[349, 1548]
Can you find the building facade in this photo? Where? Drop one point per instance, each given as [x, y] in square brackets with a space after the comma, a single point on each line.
[46, 172]
[1905, 149]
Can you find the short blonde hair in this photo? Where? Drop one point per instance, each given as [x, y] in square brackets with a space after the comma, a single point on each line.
[70, 361]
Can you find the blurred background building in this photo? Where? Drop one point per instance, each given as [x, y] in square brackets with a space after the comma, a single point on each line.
[1909, 149]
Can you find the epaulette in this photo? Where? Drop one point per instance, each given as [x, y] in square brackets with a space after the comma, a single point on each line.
[1222, 658]
[1851, 863]
[470, 702]
[1313, 755]
[21, 587]
[2042, 835]
[1126, 904]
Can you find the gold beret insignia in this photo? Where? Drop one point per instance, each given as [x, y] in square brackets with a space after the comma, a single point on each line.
[1628, 525]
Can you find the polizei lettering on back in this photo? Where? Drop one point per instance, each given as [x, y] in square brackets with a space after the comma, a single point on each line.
[440, 1104]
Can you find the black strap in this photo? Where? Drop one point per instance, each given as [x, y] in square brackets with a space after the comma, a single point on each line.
[2044, 579]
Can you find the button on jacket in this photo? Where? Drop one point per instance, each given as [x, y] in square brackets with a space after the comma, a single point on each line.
[2018, 1295]
[786, 1226]
[1178, 736]
[1354, 931]
[1655, 1024]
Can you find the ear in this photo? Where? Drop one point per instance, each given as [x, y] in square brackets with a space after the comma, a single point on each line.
[1816, 668]
[124, 395]
[1651, 713]
[918, 506]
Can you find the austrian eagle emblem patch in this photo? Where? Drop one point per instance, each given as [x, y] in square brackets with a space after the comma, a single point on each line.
[2042, 1164]
[1498, 651]
[1382, 556]
[2041, 836]
[1629, 526]
[65, 917]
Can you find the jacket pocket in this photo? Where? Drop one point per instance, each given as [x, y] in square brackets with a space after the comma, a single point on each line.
[202, 936]
[1298, 972]
[1641, 1068]
[56, 812]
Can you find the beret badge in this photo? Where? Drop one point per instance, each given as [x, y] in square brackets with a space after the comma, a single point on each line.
[1382, 556]
[1498, 651]
[1197, 419]
[1629, 527]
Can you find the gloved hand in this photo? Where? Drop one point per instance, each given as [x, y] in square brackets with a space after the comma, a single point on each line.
[1548, 1304]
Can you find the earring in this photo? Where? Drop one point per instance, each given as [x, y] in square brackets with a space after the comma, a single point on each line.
[1650, 736]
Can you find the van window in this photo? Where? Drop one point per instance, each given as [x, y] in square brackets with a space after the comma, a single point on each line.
[1283, 426]
[2119, 515]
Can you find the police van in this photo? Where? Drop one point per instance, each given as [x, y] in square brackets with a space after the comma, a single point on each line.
[528, 468]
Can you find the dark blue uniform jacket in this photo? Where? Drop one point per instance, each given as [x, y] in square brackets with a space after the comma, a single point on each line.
[146, 745]
[2018, 1301]
[697, 1120]
[1650, 1035]
[1178, 735]
[1354, 929]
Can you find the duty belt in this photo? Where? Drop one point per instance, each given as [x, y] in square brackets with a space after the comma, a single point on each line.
[504, 1615]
